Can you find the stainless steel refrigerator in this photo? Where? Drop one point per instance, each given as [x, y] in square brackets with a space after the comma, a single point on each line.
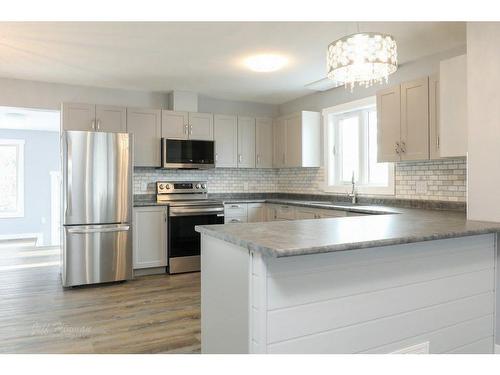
[97, 207]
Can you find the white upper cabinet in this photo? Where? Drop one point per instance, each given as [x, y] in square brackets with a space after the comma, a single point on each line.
[453, 106]
[145, 125]
[111, 118]
[388, 124]
[201, 126]
[246, 142]
[226, 141]
[91, 117]
[78, 116]
[263, 142]
[187, 125]
[403, 121]
[279, 143]
[174, 124]
[297, 140]
[434, 137]
[415, 120]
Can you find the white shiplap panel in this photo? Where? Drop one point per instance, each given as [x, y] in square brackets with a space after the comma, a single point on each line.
[354, 258]
[391, 329]
[484, 346]
[321, 316]
[445, 339]
[305, 288]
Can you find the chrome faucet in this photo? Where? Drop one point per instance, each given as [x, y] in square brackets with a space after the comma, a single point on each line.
[353, 195]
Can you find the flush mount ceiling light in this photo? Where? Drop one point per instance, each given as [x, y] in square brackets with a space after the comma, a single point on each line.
[362, 58]
[265, 63]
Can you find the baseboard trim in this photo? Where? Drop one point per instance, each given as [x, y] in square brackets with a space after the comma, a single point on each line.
[150, 271]
[497, 349]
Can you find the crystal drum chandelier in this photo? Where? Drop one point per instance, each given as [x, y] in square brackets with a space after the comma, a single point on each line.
[363, 58]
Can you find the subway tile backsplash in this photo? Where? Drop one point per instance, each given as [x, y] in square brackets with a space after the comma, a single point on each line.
[443, 180]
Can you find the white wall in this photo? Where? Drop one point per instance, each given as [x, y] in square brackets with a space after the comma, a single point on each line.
[483, 97]
[45, 95]
[208, 104]
[416, 69]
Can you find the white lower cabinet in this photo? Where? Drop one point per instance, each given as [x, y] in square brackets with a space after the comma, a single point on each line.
[259, 212]
[150, 237]
[256, 212]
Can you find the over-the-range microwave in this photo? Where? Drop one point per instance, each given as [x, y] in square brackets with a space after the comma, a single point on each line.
[187, 154]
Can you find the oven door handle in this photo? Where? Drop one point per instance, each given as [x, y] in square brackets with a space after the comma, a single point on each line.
[196, 211]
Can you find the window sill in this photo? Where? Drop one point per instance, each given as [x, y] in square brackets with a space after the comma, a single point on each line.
[11, 215]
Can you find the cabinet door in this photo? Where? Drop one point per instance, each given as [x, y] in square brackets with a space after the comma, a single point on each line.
[434, 141]
[174, 124]
[201, 126]
[279, 143]
[453, 106]
[246, 142]
[150, 237]
[263, 143]
[415, 119]
[285, 213]
[256, 213]
[78, 116]
[293, 138]
[111, 118]
[304, 213]
[388, 124]
[226, 141]
[145, 125]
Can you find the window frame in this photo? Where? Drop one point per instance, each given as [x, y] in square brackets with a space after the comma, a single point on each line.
[340, 111]
[19, 143]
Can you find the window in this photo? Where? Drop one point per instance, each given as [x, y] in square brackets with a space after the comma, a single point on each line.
[351, 150]
[11, 178]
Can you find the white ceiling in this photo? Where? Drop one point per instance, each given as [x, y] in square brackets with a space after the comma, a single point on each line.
[29, 119]
[204, 57]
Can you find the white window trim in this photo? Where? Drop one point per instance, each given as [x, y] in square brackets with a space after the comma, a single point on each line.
[20, 178]
[346, 188]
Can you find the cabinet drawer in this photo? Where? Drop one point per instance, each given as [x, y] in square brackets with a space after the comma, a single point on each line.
[331, 213]
[229, 220]
[235, 210]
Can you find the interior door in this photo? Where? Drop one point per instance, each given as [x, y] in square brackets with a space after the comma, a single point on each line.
[201, 126]
[246, 142]
[111, 118]
[174, 124]
[415, 120]
[226, 141]
[97, 178]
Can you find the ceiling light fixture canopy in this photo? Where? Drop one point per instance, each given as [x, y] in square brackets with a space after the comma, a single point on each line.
[362, 58]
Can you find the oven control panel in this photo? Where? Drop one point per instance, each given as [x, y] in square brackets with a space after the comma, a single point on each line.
[181, 187]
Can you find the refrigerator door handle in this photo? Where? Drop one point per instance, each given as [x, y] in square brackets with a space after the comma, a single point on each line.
[69, 166]
[98, 229]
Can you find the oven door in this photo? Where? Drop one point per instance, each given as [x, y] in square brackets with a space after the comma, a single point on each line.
[184, 242]
[187, 154]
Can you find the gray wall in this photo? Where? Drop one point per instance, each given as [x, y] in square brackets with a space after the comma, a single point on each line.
[41, 156]
[416, 69]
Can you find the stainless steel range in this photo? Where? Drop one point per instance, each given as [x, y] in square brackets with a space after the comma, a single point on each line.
[188, 206]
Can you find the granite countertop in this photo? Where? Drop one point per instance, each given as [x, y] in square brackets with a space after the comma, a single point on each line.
[301, 237]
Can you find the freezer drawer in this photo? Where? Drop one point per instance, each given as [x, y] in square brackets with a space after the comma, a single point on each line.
[96, 254]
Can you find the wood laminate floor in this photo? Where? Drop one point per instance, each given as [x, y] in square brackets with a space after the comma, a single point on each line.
[151, 314]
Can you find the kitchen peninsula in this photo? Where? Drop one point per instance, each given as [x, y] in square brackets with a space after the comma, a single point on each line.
[409, 280]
